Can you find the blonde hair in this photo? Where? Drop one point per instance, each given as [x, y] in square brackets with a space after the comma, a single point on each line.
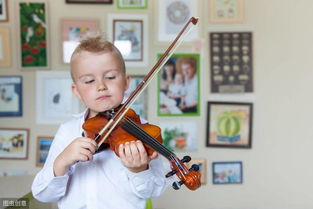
[97, 43]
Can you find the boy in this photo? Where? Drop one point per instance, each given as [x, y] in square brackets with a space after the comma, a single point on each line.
[72, 175]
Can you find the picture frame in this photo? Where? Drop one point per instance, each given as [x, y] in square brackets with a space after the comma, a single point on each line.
[130, 35]
[5, 47]
[179, 137]
[202, 168]
[229, 124]
[226, 12]
[4, 12]
[183, 98]
[14, 143]
[72, 30]
[173, 15]
[231, 62]
[43, 146]
[33, 30]
[11, 99]
[227, 172]
[127, 4]
[140, 106]
[55, 102]
[89, 1]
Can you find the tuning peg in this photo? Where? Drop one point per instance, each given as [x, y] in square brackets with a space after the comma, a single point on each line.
[194, 167]
[171, 173]
[176, 185]
[186, 159]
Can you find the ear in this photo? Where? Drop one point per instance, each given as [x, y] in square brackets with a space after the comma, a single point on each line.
[127, 80]
[75, 91]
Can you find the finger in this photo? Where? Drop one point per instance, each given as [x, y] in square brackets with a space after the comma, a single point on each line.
[142, 151]
[127, 150]
[134, 151]
[153, 156]
[121, 151]
[85, 139]
[89, 146]
[86, 153]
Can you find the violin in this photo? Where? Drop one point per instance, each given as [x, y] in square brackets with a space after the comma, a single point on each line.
[118, 126]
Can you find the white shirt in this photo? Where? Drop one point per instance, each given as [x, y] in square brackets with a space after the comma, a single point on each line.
[192, 91]
[101, 183]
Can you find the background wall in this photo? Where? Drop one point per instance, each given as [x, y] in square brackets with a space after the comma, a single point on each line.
[277, 170]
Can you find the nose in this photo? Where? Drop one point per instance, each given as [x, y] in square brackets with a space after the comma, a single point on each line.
[102, 86]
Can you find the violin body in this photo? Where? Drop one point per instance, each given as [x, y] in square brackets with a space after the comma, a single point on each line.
[119, 136]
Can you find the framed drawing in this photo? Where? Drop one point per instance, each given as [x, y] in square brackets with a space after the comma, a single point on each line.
[202, 168]
[43, 146]
[90, 1]
[227, 172]
[179, 86]
[229, 124]
[173, 15]
[14, 143]
[130, 36]
[72, 31]
[231, 62]
[181, 137]
[132, 4]
[5, 49]
[4, 12]
[231, 11]
[33, 30]
[11, 99]
[140, 105]
[55, 101]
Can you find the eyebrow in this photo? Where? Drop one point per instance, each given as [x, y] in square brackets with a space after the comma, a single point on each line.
[92, 75]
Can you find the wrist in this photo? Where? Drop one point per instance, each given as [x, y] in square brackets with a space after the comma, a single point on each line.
[140, 169]
[60, 167]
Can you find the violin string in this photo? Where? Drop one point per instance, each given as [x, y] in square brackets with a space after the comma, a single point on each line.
[148, 139]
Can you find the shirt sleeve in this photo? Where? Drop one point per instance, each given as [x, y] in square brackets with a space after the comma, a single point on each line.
[46, 187]
[149, 183]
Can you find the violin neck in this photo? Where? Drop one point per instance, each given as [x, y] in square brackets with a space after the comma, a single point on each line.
[140, 134]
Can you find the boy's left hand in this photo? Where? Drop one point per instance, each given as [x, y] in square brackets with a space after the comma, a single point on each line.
[134, 156]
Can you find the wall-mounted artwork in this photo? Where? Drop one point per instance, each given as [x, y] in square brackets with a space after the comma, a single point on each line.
[11, 96]
[130, 36]
[5, 49]
[55, 101]
[179, 86]
[231, 62]
[230, 11]
[173, 15]
[90, 1]
[14, 143]
[4, 12]
[229, 124]
[33, 31]
[140, 105]
[72, 32]
[180, 136]
[43, 146]
[227, 172]
[132, 4]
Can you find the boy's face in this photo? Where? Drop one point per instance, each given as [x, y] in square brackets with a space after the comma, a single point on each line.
[100, 80]
[188, 70]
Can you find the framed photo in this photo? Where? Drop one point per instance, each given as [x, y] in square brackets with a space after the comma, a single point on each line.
[179, 86]
[55, 101]
[90, 1]
[72, 32]
[229, 124]
[14, 143]
[227, 172]
[130, 36]
[179, 136]
[4, 12]
[231, 11]
[33, 33]
[11, 99]
[173, 15]
[231, 61]
[140, 105]
[5, 49]
[132, 4]
[43, 146]
[202, 168]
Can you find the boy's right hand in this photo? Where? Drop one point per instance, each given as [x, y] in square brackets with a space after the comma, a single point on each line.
[81, 149]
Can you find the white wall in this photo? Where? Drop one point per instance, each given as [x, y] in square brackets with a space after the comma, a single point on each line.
[277, 170]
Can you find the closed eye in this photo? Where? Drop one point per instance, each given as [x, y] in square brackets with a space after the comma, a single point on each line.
[110, 77]
[88, 82]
